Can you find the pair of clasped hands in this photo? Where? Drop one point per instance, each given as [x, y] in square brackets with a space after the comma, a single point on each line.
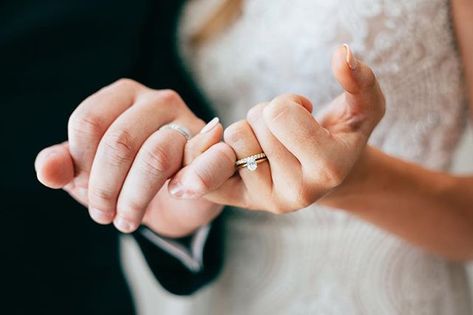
[127, 171]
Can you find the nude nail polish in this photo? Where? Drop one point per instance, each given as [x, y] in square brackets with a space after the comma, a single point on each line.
[350, 58]
[211, 125]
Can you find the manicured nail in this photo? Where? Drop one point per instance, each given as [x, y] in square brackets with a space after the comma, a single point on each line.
[211, 125]
[350, 59]
[100, 216]
[123, 225]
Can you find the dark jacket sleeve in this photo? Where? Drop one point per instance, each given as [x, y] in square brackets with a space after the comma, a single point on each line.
[54, 55]
[172, 274]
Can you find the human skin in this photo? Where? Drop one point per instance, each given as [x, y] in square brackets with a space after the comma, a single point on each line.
[431, 209]
[120, 171]
[306, 158]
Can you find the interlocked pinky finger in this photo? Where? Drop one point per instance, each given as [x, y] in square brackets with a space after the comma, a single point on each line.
[243, 141]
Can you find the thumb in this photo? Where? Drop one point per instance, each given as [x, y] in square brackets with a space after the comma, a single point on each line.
[364, 101]
[54, 166]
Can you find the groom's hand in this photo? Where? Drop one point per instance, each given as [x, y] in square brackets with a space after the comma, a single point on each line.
[117, 158]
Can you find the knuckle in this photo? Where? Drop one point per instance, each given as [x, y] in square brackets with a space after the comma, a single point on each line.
[225, 152]
[86, 123]
[101, 197]
[151, 97]
[119, 147]
[289, 98]
[277, 111]
[254, 114]
[283, 98]
[333, 175]
[160, 98]
[291, 101]
[170, 96]
[157, 160]
[235, 132]
[129, 86]
[126, 83]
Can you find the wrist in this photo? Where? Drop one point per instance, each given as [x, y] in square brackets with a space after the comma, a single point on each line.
[377, 179]
[171, 232]
[178, 225]
[357, 182]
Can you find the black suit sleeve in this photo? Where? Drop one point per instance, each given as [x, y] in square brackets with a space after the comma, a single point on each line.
[55, 54]
[172, 274]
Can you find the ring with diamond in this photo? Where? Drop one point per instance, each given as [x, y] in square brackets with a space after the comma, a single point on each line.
[251, 162]
[181, 130]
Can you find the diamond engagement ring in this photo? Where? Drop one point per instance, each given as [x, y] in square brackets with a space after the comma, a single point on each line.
[182, 130]
[251, 162]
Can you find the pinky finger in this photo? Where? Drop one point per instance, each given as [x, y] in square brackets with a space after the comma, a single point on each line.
[206, 173]
[208, 136]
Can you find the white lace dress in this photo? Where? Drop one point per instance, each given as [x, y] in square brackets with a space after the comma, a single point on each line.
[324, 261]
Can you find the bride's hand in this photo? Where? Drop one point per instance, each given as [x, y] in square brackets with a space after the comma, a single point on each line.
[306, 159]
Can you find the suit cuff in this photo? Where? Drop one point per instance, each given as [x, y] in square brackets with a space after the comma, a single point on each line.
[189, 251]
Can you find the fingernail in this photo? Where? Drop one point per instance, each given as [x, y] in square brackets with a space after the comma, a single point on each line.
[100, 216]
[177, 190]
[350, 59]
[123, 225]
[211, 125]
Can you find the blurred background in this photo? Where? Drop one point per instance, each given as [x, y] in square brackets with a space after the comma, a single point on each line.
[145, 289]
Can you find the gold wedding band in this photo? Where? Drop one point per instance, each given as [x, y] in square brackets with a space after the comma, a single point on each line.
[251, 162]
